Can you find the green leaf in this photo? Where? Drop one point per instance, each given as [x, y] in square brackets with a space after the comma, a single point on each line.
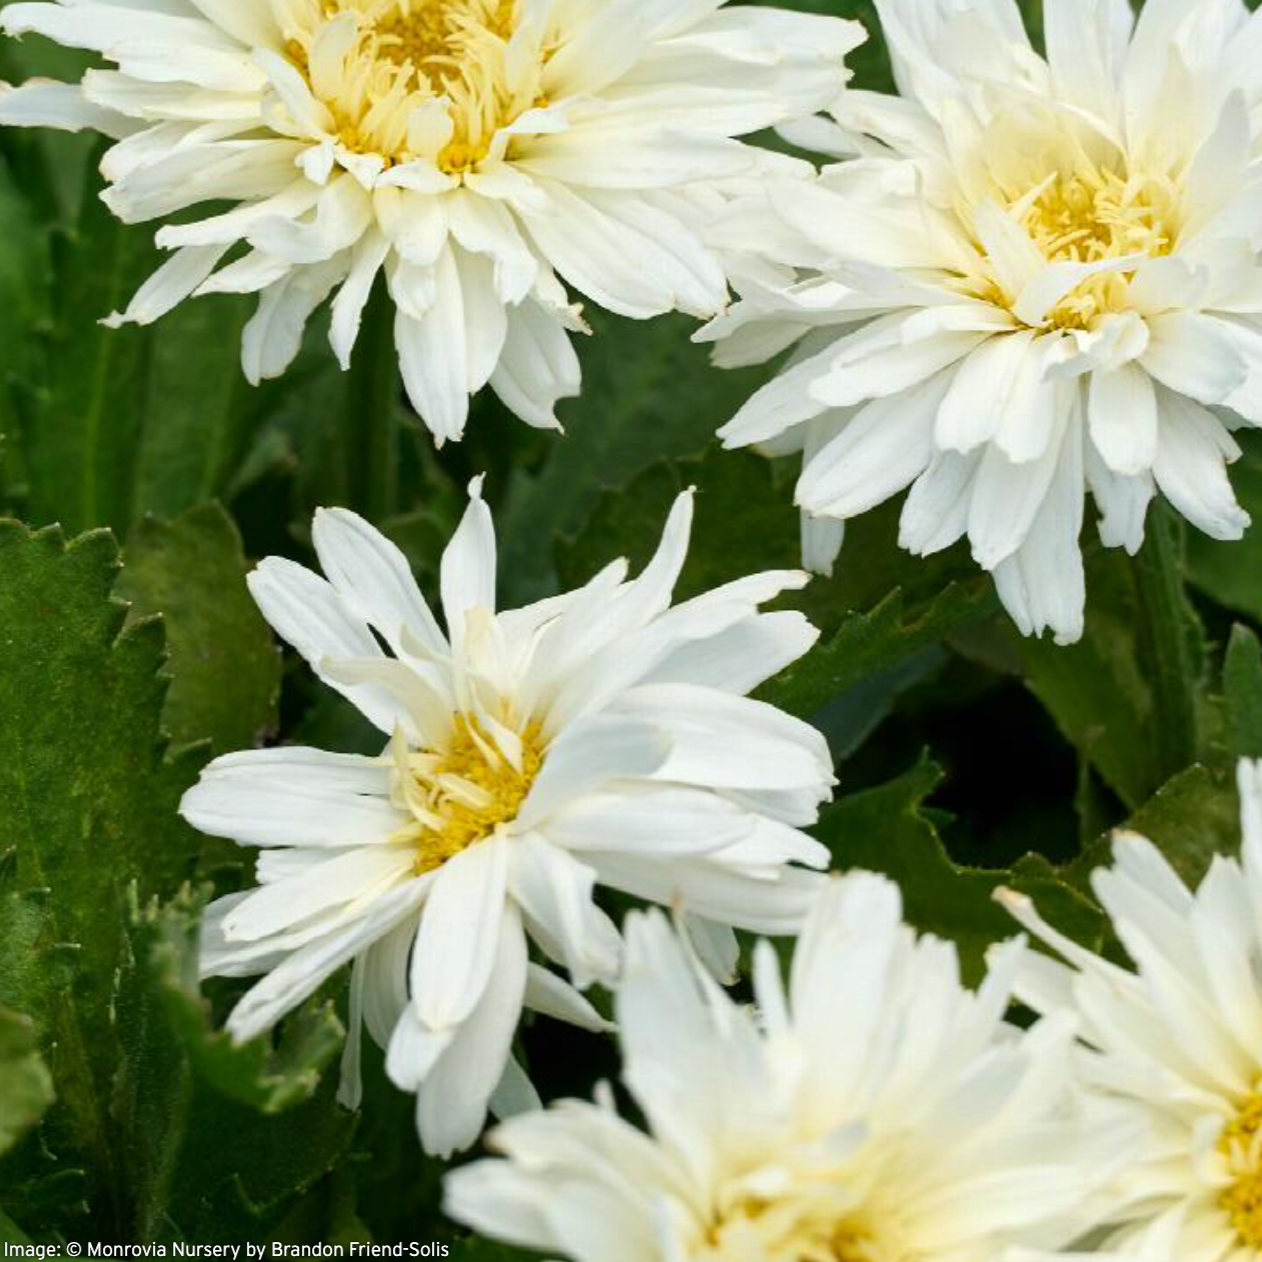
[1228, 572]
[163, 982]
[1130, 695]
[10, 1232]
[889, 830]
[743, 522]
[26, 1089]
[81, 420]
[1242, 687]
[29, 965]
[194, 427]
[207, 1124]
[327, 437]
[868, 644]
[24, 282]
[117, 423]
[746, 522]
[1190, 820]
[88, 804]
[224, 664]
[649, 394]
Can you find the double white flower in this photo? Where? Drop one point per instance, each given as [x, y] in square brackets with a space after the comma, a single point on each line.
[1176, 1043]
[1033, 277]
[596, 737]
[878, 1112]
[473, 150]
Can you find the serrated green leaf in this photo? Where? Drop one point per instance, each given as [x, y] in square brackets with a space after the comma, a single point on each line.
[163, 979]
[745, 522]
[889, 830]
[26, 1089]
[224, 664]
[176, 1070]
[868, 644]
[87, 803]
[1242, 689]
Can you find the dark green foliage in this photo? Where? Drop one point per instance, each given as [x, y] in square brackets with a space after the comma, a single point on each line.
[131, 653]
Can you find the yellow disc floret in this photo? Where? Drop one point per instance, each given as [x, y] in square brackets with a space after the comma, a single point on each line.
[1241, 1144]
[817, 1224]
[462, 794]
[431, 34]
[392, 74]
[1092, 216]
[1079, 199]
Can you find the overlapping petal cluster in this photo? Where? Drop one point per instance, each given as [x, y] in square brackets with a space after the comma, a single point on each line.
[599, 737]
[879, 1111]
[1031, 278]
[1175, 1041]
[473, 151]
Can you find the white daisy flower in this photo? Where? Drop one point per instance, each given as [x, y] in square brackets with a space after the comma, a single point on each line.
[878, 1112]
[474, 150]
[1176, 1041]
[599, 737]
[1036, 277]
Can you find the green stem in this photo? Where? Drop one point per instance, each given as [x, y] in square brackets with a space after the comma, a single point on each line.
[1171, 631]
[370, 434]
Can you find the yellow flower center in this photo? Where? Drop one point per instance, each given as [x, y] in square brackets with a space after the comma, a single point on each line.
[1094, 216]
[391, 72]
[1241, 1144]
[1090, 215]
[801, 1228]
[461, 795]
[429, 34]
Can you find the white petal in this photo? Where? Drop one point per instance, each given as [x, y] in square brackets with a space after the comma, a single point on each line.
[373, 579]
[879, 452]
[453, 1100]
[469, 565]
[306, 611]
[554, 997]
[555, 894]
[1191, 467]
[1124, 421]
[433, 353]
[588, 755]
[456, 945]
[294, 797]
[302, 973]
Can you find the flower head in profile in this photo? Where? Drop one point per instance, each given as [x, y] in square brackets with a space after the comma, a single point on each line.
[599, 737]
[472, 150]
[1176, 1041]
[1031, 278]
[878, 1112]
